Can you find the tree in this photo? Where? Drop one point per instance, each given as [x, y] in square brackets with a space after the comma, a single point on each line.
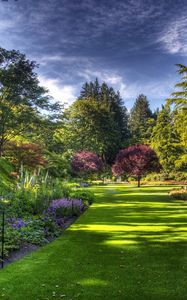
[137, 160]
[141, 120]
[28, 155]
[89, 125]
[21, 96]
[178, 103]
[112, 101]
[179, 98]
[86, 162]
[166, 141]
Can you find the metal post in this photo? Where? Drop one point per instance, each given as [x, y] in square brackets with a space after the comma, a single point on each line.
[2, 239]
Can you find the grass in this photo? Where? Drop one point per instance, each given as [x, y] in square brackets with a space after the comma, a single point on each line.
[130, 245]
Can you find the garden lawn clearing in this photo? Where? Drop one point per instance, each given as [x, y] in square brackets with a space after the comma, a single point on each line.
[130, 244]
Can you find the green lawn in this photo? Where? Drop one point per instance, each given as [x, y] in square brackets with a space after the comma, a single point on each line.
[131, 244]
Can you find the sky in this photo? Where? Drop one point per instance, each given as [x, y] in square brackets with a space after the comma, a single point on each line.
[132, 45]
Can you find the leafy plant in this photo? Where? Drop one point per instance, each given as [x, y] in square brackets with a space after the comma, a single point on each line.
[180, 194]
[85, 195]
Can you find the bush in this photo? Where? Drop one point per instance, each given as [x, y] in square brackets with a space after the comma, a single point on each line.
[85, 195]
[180, 194]
[12, 240]
[66, 207]
[34, 199]
[177, 177]
[31, 230]
[156, 177]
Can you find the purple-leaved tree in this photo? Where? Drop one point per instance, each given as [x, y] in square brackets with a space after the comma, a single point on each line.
[137, 160]
[86, 162]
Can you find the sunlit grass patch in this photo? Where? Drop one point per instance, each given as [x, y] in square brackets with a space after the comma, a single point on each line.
[130, 245]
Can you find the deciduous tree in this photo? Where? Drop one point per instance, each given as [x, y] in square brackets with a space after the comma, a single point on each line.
[136, 161]
[21, 96]
[85, 162]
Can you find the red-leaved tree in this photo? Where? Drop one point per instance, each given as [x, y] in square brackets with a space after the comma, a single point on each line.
[84, 162]
[136, 161]
[29, 155]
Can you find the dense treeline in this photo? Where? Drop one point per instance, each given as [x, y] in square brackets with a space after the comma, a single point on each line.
[39, 134]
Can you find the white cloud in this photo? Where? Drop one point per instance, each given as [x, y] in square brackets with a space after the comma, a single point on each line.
[108, 76]
[174, 37]
[156, 92]
[63, 93]
[160, 89]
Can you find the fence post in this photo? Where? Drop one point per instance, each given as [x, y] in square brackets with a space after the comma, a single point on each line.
[2, 239]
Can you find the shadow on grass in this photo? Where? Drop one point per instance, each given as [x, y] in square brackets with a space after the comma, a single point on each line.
[131, 249]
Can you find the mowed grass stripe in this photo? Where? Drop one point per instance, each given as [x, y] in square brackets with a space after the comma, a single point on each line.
[131, 244]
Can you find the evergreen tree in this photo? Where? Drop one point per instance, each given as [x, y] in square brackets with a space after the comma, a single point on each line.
[178, 102]
[113, 102]
[89, 125]
[166, 141]
[179, 98]
[141, 121]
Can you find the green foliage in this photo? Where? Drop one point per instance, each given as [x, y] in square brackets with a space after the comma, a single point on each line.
[166, 141]
[156, 177]
[179, 98]
[89, 125]
[141, 121]
[180, 194]
[178, 103]
[59, 164]
[105, 94]
[21, 97]
[33, 233]
[6, 181]
[35, 198]
[174, 176]
[86, 196]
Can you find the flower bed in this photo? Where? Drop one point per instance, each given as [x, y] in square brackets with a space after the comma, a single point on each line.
[180, 194]
[41, 229]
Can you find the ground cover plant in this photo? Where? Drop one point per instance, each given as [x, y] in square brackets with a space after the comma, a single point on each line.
[131, 244]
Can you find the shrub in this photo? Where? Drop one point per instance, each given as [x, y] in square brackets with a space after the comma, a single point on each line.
[32, 230]
[177, 177]
[180, 194]
[34, 199]
[85, 195]
[66, 207]
[12, 240]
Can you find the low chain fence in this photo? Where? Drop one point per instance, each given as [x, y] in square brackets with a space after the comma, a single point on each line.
[2, 235]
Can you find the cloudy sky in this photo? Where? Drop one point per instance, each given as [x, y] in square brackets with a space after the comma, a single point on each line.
[133, 45]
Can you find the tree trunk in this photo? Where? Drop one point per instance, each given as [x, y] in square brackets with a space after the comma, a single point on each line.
[1, 147]
[139, 178]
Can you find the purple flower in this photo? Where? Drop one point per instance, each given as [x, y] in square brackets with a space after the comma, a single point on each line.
[18, 223]
[67, 203]
[64, 207]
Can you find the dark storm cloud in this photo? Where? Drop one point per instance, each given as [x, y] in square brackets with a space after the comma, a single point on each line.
[133, 45]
